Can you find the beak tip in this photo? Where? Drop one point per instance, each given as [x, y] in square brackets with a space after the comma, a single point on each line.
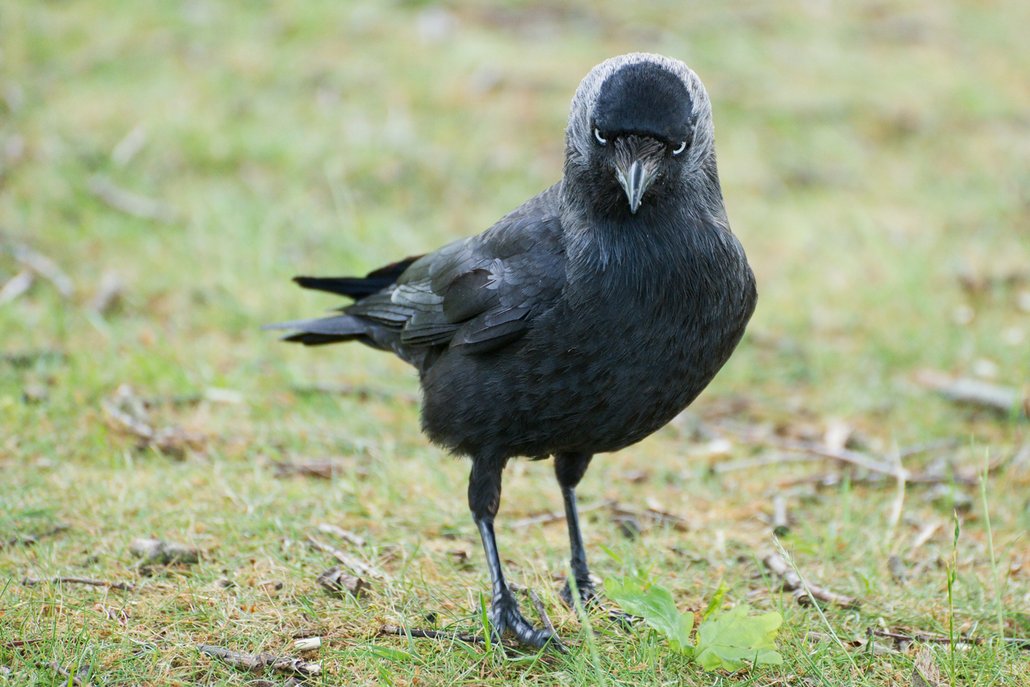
[635, 180]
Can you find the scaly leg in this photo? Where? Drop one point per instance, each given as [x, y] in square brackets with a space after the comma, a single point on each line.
[569, 469]
[484, 499]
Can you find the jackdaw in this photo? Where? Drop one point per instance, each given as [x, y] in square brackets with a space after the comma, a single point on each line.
[581, 322]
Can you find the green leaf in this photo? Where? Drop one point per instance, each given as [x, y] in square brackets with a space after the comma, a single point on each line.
[716, 603]
[731, 639]
[655, 605]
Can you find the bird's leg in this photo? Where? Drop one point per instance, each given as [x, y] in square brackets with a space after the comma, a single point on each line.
[484, 499]
[569, 469]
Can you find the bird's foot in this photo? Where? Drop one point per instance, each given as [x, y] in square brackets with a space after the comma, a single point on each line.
[591, 599]
[586, 589]
[505, 617]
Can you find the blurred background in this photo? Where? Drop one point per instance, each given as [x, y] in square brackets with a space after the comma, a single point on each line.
[165, 168]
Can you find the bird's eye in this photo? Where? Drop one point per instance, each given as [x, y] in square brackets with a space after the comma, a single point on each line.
[680, 148]
[600, 139]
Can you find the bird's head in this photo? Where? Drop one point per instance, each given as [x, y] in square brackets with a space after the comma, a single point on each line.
[640, 128]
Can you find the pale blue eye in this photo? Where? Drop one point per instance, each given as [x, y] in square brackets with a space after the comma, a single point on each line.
[600, 139]
[681, 148]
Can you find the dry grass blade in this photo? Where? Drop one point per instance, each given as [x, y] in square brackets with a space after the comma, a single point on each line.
[340, 533]
[42, 266]
[130, 145]
[16, 286]
[130, 203]
[925, 672]
[259, 662]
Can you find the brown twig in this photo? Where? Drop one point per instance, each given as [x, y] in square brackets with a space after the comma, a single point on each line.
[339, 532]
[431, 634]
[555, 516]
[659, 516]
[926, 447]
[792, 582]
[322, 469]
[350, 561]
[653, 514]
[766, 460]
[336, 581]
[841, 455]
[545, 620]
[120, 586]
[257, 662]
[30, 539]
[78, 678]
[1020, 642]
[920, 478]
[128, 412]
[969, 391]
[820, 637]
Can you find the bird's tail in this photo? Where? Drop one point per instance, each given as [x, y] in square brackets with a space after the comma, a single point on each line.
[359, 287]
[343, 327]
[323, 330]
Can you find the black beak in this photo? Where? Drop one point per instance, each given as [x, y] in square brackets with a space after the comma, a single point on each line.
[636, 166]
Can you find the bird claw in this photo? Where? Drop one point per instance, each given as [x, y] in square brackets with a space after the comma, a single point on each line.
[589, 597]
[505, 617]
[587, 593]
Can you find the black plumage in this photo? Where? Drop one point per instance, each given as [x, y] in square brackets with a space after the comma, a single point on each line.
[584, 320]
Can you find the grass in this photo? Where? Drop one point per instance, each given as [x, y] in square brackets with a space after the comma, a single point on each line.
[870, 156]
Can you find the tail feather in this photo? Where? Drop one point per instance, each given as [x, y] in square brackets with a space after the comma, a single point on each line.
[358, 287]
[323, 330]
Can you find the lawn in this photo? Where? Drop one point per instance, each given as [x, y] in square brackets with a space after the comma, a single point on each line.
[165, 168]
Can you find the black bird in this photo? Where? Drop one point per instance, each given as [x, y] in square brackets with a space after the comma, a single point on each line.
[581, 322]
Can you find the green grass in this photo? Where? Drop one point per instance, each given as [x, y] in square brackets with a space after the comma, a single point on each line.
[870, 155]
